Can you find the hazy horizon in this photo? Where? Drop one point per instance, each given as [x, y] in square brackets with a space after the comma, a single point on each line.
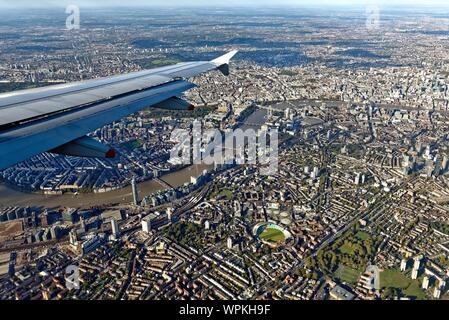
[228, 3]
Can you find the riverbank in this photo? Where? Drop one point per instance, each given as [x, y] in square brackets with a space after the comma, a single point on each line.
[10, 197]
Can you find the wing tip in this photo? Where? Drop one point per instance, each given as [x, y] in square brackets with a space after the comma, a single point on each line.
[225, 59]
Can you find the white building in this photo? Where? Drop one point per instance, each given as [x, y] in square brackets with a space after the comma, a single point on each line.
[146, 226]
[403, 265]
[425, 283]
[230, 243]
[115, 228]
[417, 263]
[437, 293]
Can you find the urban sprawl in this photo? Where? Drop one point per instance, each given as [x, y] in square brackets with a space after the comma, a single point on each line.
[359, 205]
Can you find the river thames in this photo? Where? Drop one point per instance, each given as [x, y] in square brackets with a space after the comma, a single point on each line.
[10, 197]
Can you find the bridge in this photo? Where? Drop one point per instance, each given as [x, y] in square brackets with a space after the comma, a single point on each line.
[163, 183]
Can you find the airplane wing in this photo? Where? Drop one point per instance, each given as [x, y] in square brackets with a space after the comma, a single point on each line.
[57, 118]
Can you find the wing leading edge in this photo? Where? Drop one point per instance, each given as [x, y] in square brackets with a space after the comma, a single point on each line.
[56, 118]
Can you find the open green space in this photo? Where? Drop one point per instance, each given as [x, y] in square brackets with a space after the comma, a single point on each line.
[394, 279]
[347, 274]
[272, 235]
[165, 62]
[405, 286]
[349, 247]
[353, 249]
[415, 291]
[225, 194]
[346, 248]
[361, 235]
[186, 234]
[133, 144]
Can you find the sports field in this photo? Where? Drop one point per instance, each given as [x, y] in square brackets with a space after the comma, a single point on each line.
[272, 235]
[347, 274]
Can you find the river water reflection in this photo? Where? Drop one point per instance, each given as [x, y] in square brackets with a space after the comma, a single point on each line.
[11, 197]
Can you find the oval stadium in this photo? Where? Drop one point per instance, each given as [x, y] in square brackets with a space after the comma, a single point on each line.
[271, 234]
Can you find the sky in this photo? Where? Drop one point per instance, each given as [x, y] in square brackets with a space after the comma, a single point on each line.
[109, 3]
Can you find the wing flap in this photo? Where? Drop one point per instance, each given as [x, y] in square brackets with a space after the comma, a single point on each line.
[85, 147]
[50, 133]
[174, 103]
[25, 111]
